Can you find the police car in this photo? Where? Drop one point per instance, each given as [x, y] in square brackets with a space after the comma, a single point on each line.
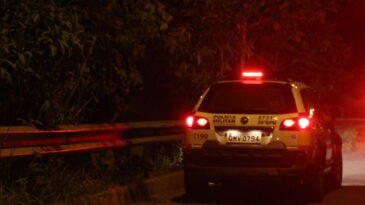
[253, 129]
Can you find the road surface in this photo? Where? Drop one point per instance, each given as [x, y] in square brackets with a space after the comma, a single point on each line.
[352, 191]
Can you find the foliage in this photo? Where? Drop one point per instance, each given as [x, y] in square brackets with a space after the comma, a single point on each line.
[51, 179]
[72, 61]
[292, 39]
[75, 61]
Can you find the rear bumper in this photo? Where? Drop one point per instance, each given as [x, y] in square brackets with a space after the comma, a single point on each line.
[233, 162]
[233, 173]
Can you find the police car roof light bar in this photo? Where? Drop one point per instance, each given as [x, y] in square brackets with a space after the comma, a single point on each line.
[252, 74]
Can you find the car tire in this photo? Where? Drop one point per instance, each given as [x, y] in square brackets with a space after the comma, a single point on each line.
[314, 185]
[335, 176]
[195, 187]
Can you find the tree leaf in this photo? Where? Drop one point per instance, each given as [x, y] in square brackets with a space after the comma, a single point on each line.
[22, 58]
[12, 65]
[53, 50]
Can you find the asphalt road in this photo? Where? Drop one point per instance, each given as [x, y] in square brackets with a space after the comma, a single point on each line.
[352, 191]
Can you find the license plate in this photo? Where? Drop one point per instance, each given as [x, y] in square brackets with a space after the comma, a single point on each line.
[250, 137]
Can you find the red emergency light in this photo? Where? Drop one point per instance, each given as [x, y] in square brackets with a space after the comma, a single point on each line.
[252, 75]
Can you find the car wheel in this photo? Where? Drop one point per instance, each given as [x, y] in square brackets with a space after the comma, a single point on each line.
[335, 176]
[195, 186]
[315, 185]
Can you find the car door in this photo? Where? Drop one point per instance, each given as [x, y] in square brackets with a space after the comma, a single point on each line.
[322, 123]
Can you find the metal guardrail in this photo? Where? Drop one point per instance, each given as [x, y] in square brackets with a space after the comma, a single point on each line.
[22, 141]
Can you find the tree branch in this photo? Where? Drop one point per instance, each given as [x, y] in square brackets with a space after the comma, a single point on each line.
[258, 23]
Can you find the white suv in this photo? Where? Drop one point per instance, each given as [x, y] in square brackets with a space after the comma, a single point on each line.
[254, 128]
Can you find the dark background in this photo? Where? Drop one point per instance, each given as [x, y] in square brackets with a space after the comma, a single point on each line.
[76, 61]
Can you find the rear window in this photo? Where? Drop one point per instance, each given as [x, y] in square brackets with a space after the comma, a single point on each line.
[234, 98]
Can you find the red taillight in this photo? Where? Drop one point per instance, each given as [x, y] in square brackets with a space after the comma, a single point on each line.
[189, 121]
[299, 123]
[304, 123]
[202, 122]
[288, 123]
[196, 122]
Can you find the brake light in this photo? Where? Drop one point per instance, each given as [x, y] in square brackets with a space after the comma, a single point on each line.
[202, 122]
[189, 121]
[304, 123]
[196, 122]
[299, 123]
[288, 123]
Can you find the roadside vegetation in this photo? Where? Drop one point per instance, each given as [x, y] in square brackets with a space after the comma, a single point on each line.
[77, 61]
[66, 62]
[50, 179]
